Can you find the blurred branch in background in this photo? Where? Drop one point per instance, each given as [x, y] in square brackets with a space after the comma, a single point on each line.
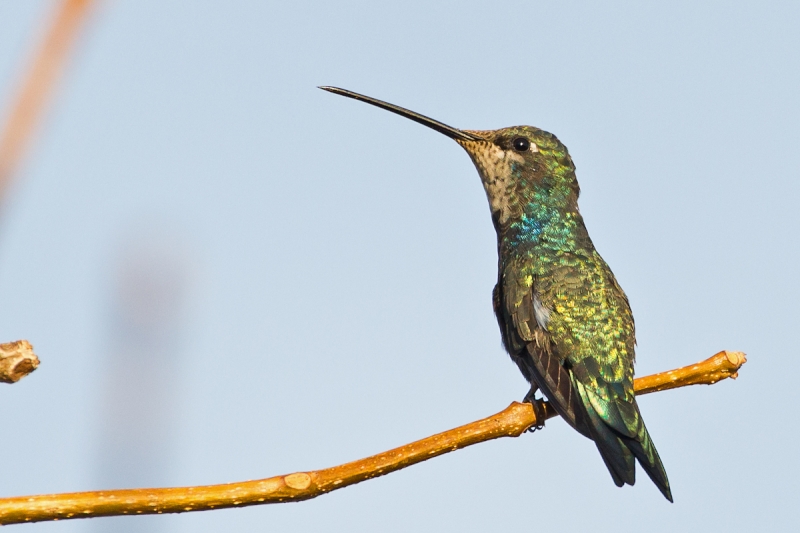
[138, 409]
[512, 422]
[37, 87]
[16, 358]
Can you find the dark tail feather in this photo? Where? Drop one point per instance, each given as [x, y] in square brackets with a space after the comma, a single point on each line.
[616, 455]
[645, 451]
[618, 481]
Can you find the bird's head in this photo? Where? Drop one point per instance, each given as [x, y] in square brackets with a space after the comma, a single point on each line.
[521, 165]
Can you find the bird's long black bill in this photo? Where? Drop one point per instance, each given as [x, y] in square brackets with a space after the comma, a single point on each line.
[453, 133]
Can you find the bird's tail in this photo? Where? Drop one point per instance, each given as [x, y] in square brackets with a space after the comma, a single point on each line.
[619, 443]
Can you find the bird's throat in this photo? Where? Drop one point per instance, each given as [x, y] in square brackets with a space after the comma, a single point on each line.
[543, 222]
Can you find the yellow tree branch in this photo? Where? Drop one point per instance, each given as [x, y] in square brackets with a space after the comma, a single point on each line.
[299, 486]
[17, 360]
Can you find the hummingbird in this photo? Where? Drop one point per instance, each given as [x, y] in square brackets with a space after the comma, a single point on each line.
[564, 319]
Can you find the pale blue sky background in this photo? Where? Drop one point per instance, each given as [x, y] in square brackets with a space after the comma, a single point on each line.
[343, 258]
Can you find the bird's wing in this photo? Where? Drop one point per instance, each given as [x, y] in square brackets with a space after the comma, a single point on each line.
[524, 320]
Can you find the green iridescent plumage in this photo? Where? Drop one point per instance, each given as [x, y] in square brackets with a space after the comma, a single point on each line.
[564, 319]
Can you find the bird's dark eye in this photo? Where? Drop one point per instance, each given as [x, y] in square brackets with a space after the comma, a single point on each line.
[521, 144]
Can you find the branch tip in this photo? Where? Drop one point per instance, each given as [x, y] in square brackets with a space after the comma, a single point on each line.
[17, 360]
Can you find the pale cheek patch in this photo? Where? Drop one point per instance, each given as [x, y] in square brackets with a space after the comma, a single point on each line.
[496, 153]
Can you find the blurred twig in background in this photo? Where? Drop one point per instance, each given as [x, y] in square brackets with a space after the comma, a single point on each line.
[511, 422]
[37, 86]
[16, 358]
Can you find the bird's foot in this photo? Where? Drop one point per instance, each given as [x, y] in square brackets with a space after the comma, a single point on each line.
[538, 409]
